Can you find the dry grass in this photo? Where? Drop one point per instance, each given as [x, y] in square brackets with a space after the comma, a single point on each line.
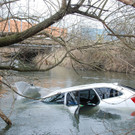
[105, 58]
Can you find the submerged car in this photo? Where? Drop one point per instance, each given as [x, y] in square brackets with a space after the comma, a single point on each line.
[108, 95]
[105, 95]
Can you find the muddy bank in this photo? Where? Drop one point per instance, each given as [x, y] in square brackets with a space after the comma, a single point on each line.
[117, 59]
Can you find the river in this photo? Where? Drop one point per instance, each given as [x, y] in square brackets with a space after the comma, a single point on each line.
[36, 118]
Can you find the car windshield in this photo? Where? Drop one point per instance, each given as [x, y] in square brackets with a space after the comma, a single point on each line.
[59, 99]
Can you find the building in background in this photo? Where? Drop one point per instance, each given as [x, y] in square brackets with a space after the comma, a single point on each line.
[56, 31]
[96, 34]
[19, 26]
[14, 26]
[92, 33]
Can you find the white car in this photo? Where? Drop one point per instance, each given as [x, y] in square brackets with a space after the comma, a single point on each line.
[108, 95]
[104, 95]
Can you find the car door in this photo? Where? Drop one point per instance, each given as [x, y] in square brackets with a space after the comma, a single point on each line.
[72, 101]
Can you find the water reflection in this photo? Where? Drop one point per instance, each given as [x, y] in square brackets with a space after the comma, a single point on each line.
[95, 120]
[97, 112]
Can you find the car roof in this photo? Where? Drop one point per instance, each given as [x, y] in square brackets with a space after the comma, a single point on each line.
[83, 87]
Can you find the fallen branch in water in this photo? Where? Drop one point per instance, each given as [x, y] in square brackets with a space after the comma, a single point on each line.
[5, 118]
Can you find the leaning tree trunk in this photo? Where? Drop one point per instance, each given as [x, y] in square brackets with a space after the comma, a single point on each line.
[5, 118]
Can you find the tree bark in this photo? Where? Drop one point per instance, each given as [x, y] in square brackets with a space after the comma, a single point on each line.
[18, 37]
[5, 118]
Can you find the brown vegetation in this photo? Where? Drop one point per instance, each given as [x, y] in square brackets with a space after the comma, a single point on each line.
[115, 59]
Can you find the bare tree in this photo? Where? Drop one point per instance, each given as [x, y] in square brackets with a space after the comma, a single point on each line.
[99, 10]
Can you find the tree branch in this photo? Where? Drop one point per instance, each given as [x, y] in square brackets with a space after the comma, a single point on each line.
[129, 36]
[5, 118]
[104, 23]
[18, 37]
[7, 2]
[128, 2]
[63, 4]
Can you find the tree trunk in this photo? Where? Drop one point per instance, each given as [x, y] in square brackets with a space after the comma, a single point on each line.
[5, 118]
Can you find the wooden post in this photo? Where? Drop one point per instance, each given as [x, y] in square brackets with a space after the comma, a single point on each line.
[5, 118]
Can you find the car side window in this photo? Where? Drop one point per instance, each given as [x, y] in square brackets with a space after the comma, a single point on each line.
[72, 98]
[107, 92]
[58, 99]
[84, 94]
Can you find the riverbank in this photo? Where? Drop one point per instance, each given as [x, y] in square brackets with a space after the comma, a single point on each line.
[111, 57]
[106, 58]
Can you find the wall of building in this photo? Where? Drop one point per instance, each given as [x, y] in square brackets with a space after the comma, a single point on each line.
[19, 26]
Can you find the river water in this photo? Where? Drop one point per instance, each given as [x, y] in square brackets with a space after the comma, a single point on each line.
[36, 118]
